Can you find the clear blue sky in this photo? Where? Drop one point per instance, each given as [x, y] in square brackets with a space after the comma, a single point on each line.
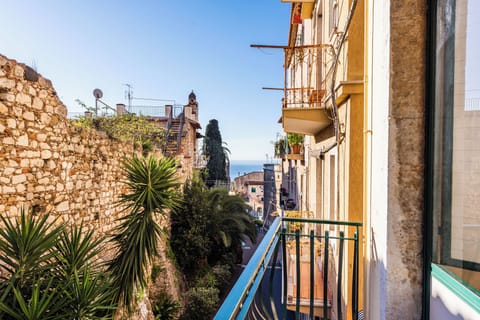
[164, 49]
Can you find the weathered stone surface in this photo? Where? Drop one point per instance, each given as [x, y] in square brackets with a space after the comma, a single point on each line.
[23, 98]
[74, 174]
[11, 123]
[46, 154]
[8, 140]
[22, 141]
[7, 83]
[3, 109]
[28, 116]
[62, 206]
[37, 103]
[19, 179]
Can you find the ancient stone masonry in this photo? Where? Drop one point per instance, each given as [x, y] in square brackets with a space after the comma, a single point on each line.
[46, 163]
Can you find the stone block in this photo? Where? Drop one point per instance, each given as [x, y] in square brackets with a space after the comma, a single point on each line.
[18, 71]
[41, 137]
[22, 141]
[46, 154]
[5, 180]
[21, 188]
[45, 118]
[11, 123]
[19, 179]
[8, 189]
[37, 103]
[8, 141]
[29, 116]
[39, 189]
[7, 83]
[3, 109]
[44, 181]
[62, 206]
[23, 98]
[44, 146]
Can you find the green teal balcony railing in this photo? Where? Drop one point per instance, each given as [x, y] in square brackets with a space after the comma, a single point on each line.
[303, 280]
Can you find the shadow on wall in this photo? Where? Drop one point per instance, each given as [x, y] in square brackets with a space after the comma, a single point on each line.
[439, 311]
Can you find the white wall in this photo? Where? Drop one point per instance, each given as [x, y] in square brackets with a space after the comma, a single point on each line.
[378, 65]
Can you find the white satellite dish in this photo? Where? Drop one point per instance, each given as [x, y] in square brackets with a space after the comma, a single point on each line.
[97, 93]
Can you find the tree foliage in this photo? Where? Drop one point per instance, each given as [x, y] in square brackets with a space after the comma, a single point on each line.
[152, 184]
[209, 227]
[216, 154]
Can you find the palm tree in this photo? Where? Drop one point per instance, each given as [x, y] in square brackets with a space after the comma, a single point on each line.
[152, 184]
[230, 221]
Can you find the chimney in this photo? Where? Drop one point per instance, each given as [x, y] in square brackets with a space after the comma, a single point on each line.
[121, 109]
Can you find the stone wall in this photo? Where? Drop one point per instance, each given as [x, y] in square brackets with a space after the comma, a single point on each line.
[46, 163]
[406, 159]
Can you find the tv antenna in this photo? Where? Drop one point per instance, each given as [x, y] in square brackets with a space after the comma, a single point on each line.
[129, 95]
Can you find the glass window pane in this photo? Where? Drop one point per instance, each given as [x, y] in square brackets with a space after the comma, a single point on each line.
[457, 143]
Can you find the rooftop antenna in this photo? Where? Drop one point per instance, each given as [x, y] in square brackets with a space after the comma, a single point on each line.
[97, 93]
[129, 95]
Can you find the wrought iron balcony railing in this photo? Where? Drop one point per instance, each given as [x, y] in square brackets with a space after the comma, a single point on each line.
[297, 272]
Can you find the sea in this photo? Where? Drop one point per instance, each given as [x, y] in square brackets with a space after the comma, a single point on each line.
[241, 167]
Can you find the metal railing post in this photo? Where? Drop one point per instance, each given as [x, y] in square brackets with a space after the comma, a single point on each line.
[355, 277]
[340, 269]
[285, 275]
[297, 271]
[312, 273]
[325, 277]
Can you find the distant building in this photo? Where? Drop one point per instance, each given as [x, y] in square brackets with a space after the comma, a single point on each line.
[181, 125]
[250, 186]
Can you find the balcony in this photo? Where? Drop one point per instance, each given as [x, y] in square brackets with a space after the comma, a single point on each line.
[303, 109]
[297, 272]
[306, 120]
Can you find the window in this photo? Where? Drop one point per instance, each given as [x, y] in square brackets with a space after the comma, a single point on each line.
[333, 17]
[455, 142]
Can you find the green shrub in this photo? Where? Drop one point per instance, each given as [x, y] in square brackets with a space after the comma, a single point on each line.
[164, 307]
[222, 274]
[202, 303]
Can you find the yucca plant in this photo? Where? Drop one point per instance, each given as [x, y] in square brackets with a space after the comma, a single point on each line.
[86, 284]
[152, 188]
[26, 247]
[50, 273]
[44, 303]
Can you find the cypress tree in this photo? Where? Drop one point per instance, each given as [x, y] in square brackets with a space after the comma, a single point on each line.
[216, 154]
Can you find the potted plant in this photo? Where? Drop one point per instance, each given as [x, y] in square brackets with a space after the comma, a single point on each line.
[280, 148]
[295, 140]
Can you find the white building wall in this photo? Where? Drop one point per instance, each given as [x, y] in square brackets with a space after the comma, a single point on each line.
[378, 64]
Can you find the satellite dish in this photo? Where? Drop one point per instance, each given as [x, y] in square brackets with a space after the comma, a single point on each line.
[97, 93]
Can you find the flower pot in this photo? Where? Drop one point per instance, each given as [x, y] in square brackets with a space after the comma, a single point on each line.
[296, 148]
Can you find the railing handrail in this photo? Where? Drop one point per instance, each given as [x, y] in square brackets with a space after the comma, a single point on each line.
[332, 222]
[248, 281]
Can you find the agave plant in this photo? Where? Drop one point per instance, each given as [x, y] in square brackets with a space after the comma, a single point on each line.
[26, 247]
[87, 286]
[152, 188]
[49, 272]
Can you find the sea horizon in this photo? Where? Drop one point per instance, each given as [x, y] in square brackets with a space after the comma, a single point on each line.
[241, 167]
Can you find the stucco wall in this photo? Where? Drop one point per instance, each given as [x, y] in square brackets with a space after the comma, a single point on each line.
[396, 112]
